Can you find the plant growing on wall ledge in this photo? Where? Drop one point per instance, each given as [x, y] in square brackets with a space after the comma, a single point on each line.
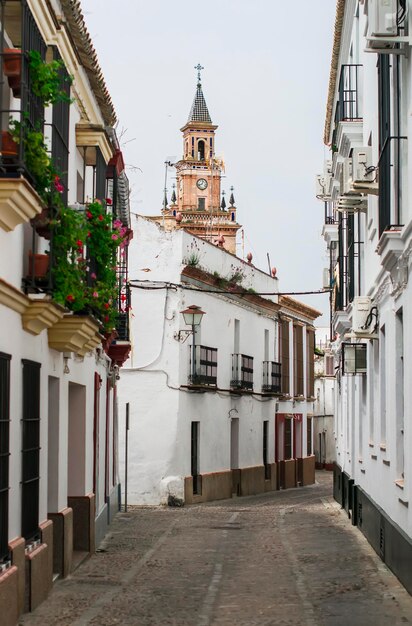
[103, 241]
[46, 79]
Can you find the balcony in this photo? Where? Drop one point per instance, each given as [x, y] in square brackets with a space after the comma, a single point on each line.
[118, 344]
[204, 372]
[271, 377]
[348, 113]
[242, 372]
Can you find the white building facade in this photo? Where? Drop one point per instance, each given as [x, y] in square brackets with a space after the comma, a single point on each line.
[324, 405]
[59, 479]
[368, 226]
[239, 421]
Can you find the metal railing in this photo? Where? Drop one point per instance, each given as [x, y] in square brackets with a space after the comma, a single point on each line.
[242, 372]
[204, 371]
[348, 107]
[272, 377]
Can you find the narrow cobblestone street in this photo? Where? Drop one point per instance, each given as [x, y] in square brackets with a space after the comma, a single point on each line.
[284, 558]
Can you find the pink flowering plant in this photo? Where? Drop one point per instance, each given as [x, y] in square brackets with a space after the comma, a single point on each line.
[87, 247]
[104, 239]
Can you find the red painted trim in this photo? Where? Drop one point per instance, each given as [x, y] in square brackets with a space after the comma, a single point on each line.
[107, 451]
[96, 410]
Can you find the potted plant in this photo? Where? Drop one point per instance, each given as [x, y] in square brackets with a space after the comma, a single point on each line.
[38, 265]
[12, 69]
[47, 80]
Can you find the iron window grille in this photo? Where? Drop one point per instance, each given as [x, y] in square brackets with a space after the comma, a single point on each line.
[272, 377]
[348, 106]
[4, 454]
[354, 358]
[60, 129]
[288, 438]
[205, 369]
[242, 372]
[30, 450]
[17, 26]
[309, 447]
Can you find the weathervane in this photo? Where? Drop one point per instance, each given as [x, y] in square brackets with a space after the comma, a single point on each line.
[199, 68]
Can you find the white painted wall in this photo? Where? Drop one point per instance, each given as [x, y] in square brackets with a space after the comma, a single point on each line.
[154, 379]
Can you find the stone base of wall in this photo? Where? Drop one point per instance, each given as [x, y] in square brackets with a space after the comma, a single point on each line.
[215, 486]
[289, 474]
[9, 597]
[38, 577]
[62, 541]
[306, 470]
[246, 481]
[17, 548]
[83, 522]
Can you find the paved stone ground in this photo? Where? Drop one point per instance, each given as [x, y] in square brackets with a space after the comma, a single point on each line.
[289, 558]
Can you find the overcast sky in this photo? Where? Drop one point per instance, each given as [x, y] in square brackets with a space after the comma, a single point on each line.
[265, 83]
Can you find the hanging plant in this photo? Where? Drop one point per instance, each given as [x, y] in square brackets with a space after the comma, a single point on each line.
[47, 78]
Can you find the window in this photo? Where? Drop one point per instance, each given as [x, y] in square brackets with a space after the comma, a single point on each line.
[4, 453]
[201, 150]
[30, 450]
[201, 204]
[400, 410]
[384, 102]
[382, 383]
[309, 446]
[298, 360]
[194, 458]
[288, 439]
[310, 363]
[284, 351]
[265, 449]
[329, 365]
[60, 129]
[205, 370]
[354, 358]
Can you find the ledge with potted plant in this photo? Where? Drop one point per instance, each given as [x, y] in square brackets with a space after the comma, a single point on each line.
[19, 200]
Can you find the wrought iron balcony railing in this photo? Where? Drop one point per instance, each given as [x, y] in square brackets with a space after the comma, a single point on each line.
[242, 372]
[204, 371]
[271, 377]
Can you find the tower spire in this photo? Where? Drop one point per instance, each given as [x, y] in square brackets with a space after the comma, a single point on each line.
[199, 111]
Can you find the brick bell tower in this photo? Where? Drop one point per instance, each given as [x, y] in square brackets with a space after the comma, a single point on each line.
[198, 205]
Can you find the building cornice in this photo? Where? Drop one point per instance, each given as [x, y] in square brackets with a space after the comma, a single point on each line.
[13, 298]
[340, 11]
[202, 278]
[295, 306]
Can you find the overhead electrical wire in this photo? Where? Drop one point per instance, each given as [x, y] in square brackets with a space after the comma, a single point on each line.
[156, 285]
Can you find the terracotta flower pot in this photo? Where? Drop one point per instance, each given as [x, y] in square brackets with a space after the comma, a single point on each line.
[12, 69]
[38, 265]
[8, 146]
[41, 223]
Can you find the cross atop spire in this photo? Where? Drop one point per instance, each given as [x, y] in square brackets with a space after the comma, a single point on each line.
[199, 68]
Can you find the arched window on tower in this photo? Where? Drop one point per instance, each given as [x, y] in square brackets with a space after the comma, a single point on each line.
[201, 150]
[187, 149]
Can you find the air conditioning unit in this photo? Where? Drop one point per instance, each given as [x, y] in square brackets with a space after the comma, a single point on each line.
[326, 278]
[382, 18]
[362, 168]
[346, 177]
[361, 307]
[385, 19]
[352, 203]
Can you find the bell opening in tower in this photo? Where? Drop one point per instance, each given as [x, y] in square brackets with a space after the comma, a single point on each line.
[201, 150]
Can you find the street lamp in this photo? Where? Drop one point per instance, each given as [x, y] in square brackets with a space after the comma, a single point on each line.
[193, 317]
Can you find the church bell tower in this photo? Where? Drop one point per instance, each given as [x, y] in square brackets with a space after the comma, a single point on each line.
[198, 203]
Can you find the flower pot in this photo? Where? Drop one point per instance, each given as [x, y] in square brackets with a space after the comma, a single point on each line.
[41, 223]
[8, 146]
[38, 265]
[12, 69]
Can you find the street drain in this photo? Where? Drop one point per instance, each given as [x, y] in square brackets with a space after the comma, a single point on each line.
[231, 527]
